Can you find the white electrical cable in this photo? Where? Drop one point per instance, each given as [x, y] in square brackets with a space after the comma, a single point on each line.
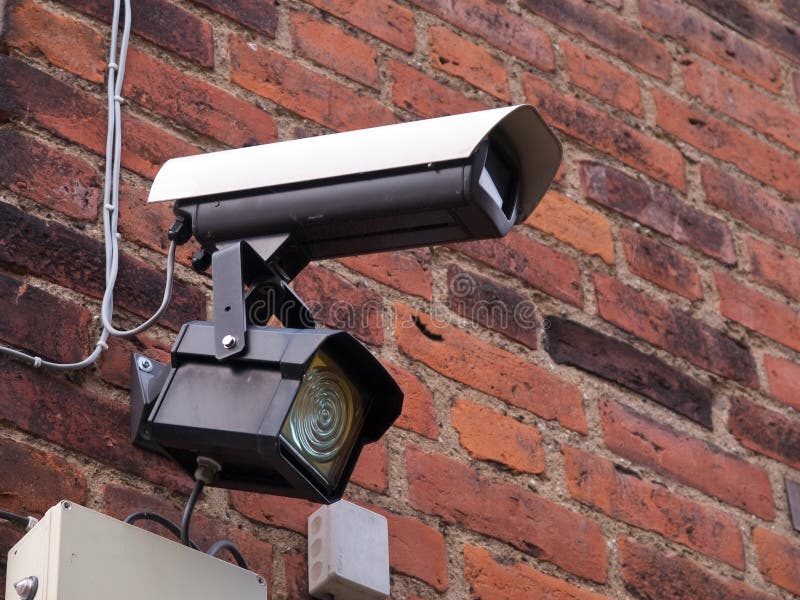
[116, 73]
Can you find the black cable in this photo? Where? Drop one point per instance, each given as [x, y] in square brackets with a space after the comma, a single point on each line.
[187, 513]
[230, 547]
[161, 520]
[14, 518]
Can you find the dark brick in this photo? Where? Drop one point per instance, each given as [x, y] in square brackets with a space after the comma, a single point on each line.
[574, 344]
[765, 431]
[659, 209]
[661, 264]
[791, 8]
[163, 23]
[260, 15]
[115, 363]
[49, 176]
[64, 256]
[492, 305]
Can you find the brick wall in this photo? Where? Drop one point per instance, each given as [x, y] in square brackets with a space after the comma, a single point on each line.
[602, 403]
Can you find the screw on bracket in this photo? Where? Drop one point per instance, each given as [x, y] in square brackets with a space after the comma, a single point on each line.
[144, 364]
[229, 341]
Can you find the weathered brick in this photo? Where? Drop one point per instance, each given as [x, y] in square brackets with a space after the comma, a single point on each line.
[674, 330]
[738, 100]
[420, 94]
[487, 368]
[756, 311]
[765, 431]
[49, 176]
[492, 305]
[727, 142]
[305, 92]
[65, 414]
[331, 47]
[119, 502]
[37, 31]
[791, 8]
[78, 262]
[778, 558]
[372, 469]
[489, 435]
[542, 267]
[187, 100]
[340, 304]
[545, 530]
[259, 15]
[163, 23]
[712, 40]
[574, 224]
[607, 31]
[774, 267]
[779, 220]
[648, 572]
[492, 580]
[623, 495]
[574, 344]
[34, 96]
[453, 54]
[498, 26]
[690, 460]
[295, 573]
[278, 511]
[602, 79]
[418, 414]
[406, 270]
[385, 19]
[588, 124]
[661, 264]
[783, 376]
[115, 363]
[659, 209]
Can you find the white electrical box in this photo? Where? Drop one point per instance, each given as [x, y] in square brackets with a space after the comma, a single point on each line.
[78, 554]
[348, 553]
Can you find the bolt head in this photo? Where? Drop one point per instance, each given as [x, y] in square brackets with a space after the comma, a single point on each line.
[26, 587]
[229, 341]
[144, 364]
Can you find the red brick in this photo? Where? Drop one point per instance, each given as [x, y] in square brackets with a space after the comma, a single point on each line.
[690, 460]
[340, 304]
[498, 26]
[602, 79]
[406, 270]
[588, 124]
[385, 19]
[765, 431]
[462, 357]
[188, 101]
[295, 572]
[607, 31]
[545, 530]
[675, 331]
[783, 376]
[542, 267]
[574, 344]
[163, 23]
[115, 363]
[418, 414]
[727, 142]
[659, 209]
[778, 559]
[491, 580]
[331, 47]
[649, 572]
[418, 93]
[372, 468]
[791, 8]
[623, 495]
[60, 412]
[774, 267]
[489, 435]
[738, 100]
[38, 32]
[492, 305]
[278, 511]
[756, 311]
[661, 264]
[259, 15]
[49, 176]
[305, 92]
[779, 220]
[713, 41]
[453, 54]
[574, 224]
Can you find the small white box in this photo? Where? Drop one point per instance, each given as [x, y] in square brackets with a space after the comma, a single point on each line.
[348, 553]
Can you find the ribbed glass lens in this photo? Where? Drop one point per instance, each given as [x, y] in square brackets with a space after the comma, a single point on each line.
[325, 418]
